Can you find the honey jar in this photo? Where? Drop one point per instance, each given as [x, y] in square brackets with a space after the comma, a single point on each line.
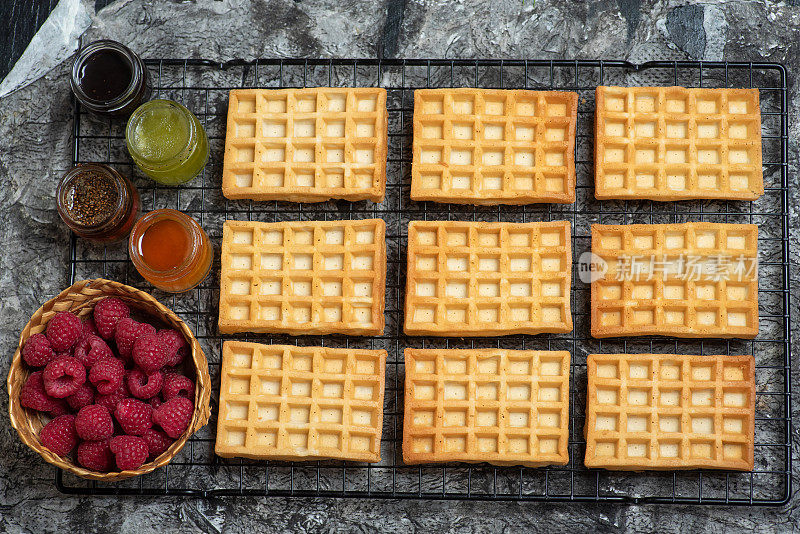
[170, 250]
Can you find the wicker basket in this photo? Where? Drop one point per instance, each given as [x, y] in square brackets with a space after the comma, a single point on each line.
[80, 299]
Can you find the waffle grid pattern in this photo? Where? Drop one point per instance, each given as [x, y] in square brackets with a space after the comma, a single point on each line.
[673, 143]
[686, 280]
[666, 411]
[204, 86]
[484, 279]
[306, 145]
[505, 407]
[303, 277]
[282, 402]
[483, 146]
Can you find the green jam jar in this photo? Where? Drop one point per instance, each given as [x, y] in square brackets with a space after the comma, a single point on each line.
[167, 142]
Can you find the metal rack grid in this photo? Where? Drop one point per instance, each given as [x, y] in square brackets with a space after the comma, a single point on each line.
[203, 86]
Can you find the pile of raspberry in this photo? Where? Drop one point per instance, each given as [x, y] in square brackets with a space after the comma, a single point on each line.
[113, 386]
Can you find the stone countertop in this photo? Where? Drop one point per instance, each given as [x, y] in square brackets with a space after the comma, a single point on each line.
[35, 149]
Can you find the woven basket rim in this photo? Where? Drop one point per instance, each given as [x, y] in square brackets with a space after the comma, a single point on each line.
[80, 298]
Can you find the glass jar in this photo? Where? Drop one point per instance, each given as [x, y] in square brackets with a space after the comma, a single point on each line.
[108, 79]
[97, 202]
[167, 142]
[170, 250]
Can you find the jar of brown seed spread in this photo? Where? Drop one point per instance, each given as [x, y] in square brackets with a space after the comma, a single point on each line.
[97, 202]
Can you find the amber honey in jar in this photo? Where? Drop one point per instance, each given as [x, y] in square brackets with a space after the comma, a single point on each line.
[97, 202]
[170, 250]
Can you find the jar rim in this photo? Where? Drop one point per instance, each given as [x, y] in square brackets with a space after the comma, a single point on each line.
[139, 229]
[74, 173]
[86, 52]
[138, 114]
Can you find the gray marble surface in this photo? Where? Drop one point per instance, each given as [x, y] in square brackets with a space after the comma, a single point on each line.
[35, 125]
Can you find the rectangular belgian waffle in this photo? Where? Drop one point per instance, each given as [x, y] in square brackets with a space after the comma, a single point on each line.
[490, 146]
[488, 279]
[282, 402]
[306, 145]
[670, 411]
[672, 143]
[685, 280]
[310, 277]
[504, 407]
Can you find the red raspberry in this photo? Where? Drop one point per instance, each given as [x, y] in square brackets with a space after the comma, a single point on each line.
[177, 386]
[59, 435]
[134, 416]
[149, 353]
[130, 451]
[144, 386]
[107, 375]
[155, 402]
[63, 377]
[171, 371]
[83, 397]
[175, 345]
[37, 351]
[110, 401]
[157, 441]
[174, 415]
[128, 331]
[33, 395]
[63, 330]
[60, 408]
[89, 328]
[94, 423]
[90, 349]
[107, 313]
[95, 455]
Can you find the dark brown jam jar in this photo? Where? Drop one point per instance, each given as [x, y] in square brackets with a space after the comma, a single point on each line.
[97, 202]
[108, 79]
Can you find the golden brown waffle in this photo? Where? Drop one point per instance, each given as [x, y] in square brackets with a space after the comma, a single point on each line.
[668, 411]
[306, 145]
[686, 280]
[484, 146]
[488, 279]
[672, 143]
[282, 402]
[504, 407]
[303, 277]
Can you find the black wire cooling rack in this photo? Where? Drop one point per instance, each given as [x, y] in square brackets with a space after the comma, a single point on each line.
[203, 87]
